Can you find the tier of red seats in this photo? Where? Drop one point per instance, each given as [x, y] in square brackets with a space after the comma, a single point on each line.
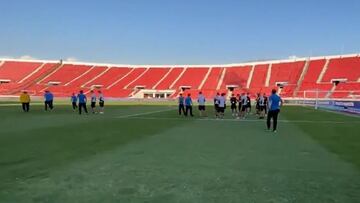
[286, 72]
[90, 73]
[121, 81]
[314, 70]
[150, 78]
[133, 75]
[236, 76]
[348, 68]
[191, 77]
[213, 79]
[66, 73]
[346, 90]
[16, 71]
[169, 79]
[45, 69]
[259, 76]
[109, 77]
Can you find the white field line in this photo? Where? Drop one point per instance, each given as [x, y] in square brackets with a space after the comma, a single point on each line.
[334, 111]
[14, 104]
[19, 104]
[241, 120]
[145, 113]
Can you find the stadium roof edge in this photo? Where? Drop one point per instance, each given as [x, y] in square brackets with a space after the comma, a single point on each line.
[189, 65]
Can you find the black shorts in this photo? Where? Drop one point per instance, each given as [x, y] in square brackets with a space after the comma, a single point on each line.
[93, 104]
[233, 106]
[101, 103]
[261, 108]
[201, 107]
[221, 109]
[216, 107]
[243, 108]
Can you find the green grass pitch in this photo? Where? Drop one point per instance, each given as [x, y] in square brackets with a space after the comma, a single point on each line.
[147, 153]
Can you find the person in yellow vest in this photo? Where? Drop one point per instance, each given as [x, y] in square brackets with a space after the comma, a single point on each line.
[25, 101]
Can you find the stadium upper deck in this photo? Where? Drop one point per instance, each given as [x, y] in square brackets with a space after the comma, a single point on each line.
[297, 75]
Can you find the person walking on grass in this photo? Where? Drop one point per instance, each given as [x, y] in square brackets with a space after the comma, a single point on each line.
[49, 99]
[82, 102]
[181, 102]
[25, 101]
[201, 100]
[74, 101]
[188, 105]
[274, 103]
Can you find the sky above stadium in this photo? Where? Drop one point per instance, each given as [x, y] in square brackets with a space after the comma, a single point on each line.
[178, 31]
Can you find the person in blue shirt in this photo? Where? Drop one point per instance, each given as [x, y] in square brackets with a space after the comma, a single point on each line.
[274, 104]
[74, 101]
[188, 105]
[82, 101]
[49, 98]
[181, 102]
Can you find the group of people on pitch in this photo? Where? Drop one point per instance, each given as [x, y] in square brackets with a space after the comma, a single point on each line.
[240, 106]
[25, 100]
[78, 101]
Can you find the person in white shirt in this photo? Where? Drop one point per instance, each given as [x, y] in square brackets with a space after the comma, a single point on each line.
[222, 103]
[201, 100]
[101, 102]
[216, 104]
[261, 102]
[93, 101]
[243, 100]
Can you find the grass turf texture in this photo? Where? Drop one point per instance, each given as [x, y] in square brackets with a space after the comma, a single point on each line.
[150, 154]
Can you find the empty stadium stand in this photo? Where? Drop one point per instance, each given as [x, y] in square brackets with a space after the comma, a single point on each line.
[237, 76]
[16, 71]
[304, 77]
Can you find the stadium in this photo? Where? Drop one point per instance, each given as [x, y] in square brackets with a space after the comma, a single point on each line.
[136, 143]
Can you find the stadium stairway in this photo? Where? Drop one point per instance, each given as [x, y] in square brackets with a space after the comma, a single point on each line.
[302, 76]
[323, 71]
